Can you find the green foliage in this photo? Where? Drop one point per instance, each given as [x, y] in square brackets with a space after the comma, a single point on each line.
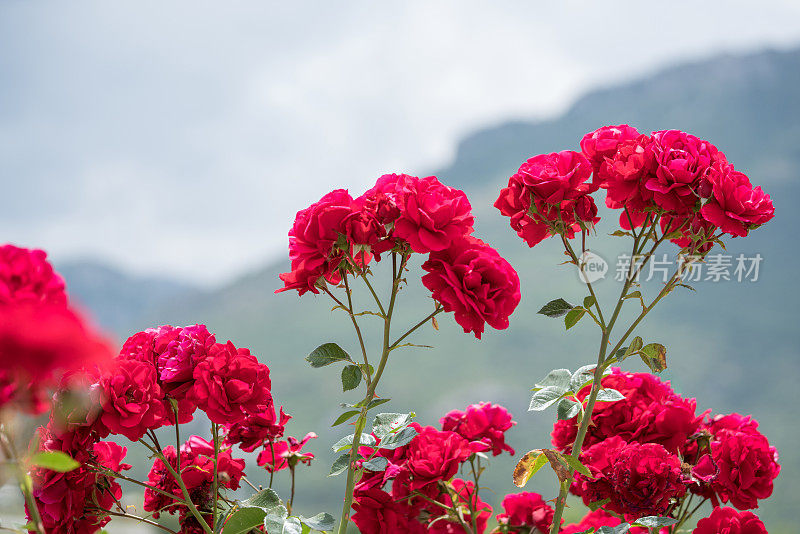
[351, 377]
[327, 354]
[54, 461]
[556, 308]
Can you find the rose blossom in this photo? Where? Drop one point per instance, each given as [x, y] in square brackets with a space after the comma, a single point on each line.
[66, 501]
[376, 512]
[312, 238]
[639, 479]
[39, 343]
[472, 280]
[682, 160]
[548, 195]
[230, 384]
[603, 142]
[724, 520]
[26, 277]
[466, 497]
[432, 215]
[624, 175]
[650, 413]
[435, 455]
[131, 399]
[481, 422]
[286, 453]
[256, 429]
[596, 519]
[742, 464]
[735, 206]
[525, 511]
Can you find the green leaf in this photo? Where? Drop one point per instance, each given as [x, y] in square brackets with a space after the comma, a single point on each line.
[556, 308]
[567, 409]
[621, 233]
[398, 439]
[598, 504]
[346, 442]
[635, 346]
[654, 521]
[577, 465]
[527, 466]
[370, 405]
[559, 378]
[321, 522]
[622, 528]
[340, 465]
[327, 354]
[379, 463]
[279, 522]
[344, 417]
[386, 423]
[609, 395]
[573, 317]
[263, 499]
[244, 520]
[581, 376]
[654, 356]
[547, 396]
[55, 461]
[633, 295]
[589, 301]
[351, 377]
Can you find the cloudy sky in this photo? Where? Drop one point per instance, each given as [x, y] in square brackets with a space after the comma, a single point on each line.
[181, 137]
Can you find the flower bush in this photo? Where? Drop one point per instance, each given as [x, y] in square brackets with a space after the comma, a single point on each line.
[640, 456]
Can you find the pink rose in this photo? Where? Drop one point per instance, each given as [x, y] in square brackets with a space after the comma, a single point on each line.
[603, 142]
[432, 215]
[131, 400]
[481, 422]
[435, 455]
[26, 277]
[472, 280]
[735, 206]
[524, 512]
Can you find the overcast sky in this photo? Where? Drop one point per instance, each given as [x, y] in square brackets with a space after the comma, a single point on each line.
[181, 137]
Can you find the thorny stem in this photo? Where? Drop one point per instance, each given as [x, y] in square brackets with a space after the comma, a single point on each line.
[291, 495]
[215, 482]
[140, 519]
[362, 418]
[367, 374]
[187, 498]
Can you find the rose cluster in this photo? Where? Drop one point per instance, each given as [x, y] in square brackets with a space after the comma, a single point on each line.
[419, 490]
[160, 377]
[684, 181]
[41, 337]
[650, 450]
[405, 214]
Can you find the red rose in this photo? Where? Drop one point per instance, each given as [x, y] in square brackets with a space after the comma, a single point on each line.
[484, 422]
[26, 277]
[472, 280]
[542, 197]
[278, 456]
[256, 429]
[724, 520]
[598, 518]
[624, 175]
[376, 512]
[682, 162]
[312, 238]
[603, 142]
[435, 455]
[742, 465]
[68, 502]
[131, 400]
[467, 498]
[639, 479]
[525, 512]
[432, 215]
[650, 413]
[230, 384]
[39, 343]
[735, 206]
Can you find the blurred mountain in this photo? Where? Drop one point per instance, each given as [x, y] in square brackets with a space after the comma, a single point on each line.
[732, 345]
[117, 299]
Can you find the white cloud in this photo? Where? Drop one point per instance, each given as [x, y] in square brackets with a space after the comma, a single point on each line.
[182, 137]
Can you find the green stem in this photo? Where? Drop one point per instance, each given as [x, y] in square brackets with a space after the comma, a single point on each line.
[215, 481]
[23, 478]
[140, 519]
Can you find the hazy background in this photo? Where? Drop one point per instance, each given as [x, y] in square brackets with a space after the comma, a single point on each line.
[159, 153]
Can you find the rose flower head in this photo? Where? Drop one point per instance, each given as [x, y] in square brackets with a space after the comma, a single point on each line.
[724, 520]
[526, 512]
[484, 422]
